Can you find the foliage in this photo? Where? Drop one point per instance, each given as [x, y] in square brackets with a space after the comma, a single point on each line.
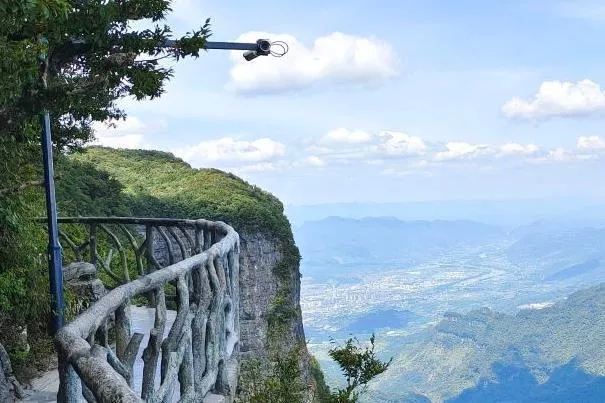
[77, 58]
[281, 312]
[481, 348]
[74, 58]
[275, 381]
[82, 189]
[359, 366]
[171, 188]
[322, 391]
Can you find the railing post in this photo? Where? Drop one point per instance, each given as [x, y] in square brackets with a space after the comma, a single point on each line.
[70, 385]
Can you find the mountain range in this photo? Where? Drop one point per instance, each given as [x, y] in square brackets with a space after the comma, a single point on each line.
[552, 354]
[337, 242]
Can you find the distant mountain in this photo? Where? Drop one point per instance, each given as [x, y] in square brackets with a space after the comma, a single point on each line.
[559, 249]
[499, 212]
[552, 354]
[337, 241]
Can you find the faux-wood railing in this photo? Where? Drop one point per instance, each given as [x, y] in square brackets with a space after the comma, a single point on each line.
[201, 260]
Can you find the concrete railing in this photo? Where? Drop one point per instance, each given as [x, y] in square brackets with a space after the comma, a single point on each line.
[97, 350]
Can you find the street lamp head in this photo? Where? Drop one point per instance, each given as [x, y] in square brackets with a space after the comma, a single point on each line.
[263, 48]
[250, 55]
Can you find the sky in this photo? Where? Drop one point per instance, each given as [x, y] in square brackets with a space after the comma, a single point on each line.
[389, 100]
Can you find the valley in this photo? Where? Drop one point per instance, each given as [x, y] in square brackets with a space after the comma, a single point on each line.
[404, 302]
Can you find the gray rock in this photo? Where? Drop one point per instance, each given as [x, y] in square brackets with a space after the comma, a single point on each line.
[81, 278]
[5, 394]
[9, 386]
[79, 271]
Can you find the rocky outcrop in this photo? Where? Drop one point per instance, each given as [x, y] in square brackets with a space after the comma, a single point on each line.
[9, 386]
[81, 278]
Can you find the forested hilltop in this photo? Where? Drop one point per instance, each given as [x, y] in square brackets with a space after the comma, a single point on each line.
[157, 184]
[552, 354]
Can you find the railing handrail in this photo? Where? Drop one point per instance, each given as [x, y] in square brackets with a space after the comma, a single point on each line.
[118, 296]
[132, 220]
[71, 340]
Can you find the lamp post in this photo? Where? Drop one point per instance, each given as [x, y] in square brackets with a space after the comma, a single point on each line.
[261, 47]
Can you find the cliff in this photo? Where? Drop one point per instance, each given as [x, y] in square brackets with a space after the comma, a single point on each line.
[155, 184]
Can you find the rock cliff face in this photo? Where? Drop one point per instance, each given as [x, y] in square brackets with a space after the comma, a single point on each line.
[261, 292]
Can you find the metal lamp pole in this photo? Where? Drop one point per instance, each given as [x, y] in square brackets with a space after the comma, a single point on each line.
[262, 47]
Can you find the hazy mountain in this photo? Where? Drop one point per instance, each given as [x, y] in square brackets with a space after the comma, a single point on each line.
[547, 355]
[498, 212]
[337, 241]
[559, 249]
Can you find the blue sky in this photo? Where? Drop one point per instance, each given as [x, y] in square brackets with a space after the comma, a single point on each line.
[390, 101]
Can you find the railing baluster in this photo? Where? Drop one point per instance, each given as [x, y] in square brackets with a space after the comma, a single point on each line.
[189, 239]
[118, 245]
[70, 386]
[171, 343]
[179, 242]
[166, 239]
[71, 245]
[101, 336]
[207, 239]
[152, 352]
[186, 379]
[199, 239]
[122, 329]
[131, 354]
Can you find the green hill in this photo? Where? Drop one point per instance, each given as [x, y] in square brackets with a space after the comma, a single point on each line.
[157, 184]
[535, 355]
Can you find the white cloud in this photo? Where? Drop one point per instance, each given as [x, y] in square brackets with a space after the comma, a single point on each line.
[558, 98]
[345, 136]
[399, 144]
[335, 57]
[515, 149]
[260, 167]
[461, 150]
[126, 133]
[559, 154]
[590, 143]
[344, 146]
[315, 161]
[229, 151]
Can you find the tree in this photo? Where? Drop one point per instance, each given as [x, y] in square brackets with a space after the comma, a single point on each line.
[359, 366]
[77, 58]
